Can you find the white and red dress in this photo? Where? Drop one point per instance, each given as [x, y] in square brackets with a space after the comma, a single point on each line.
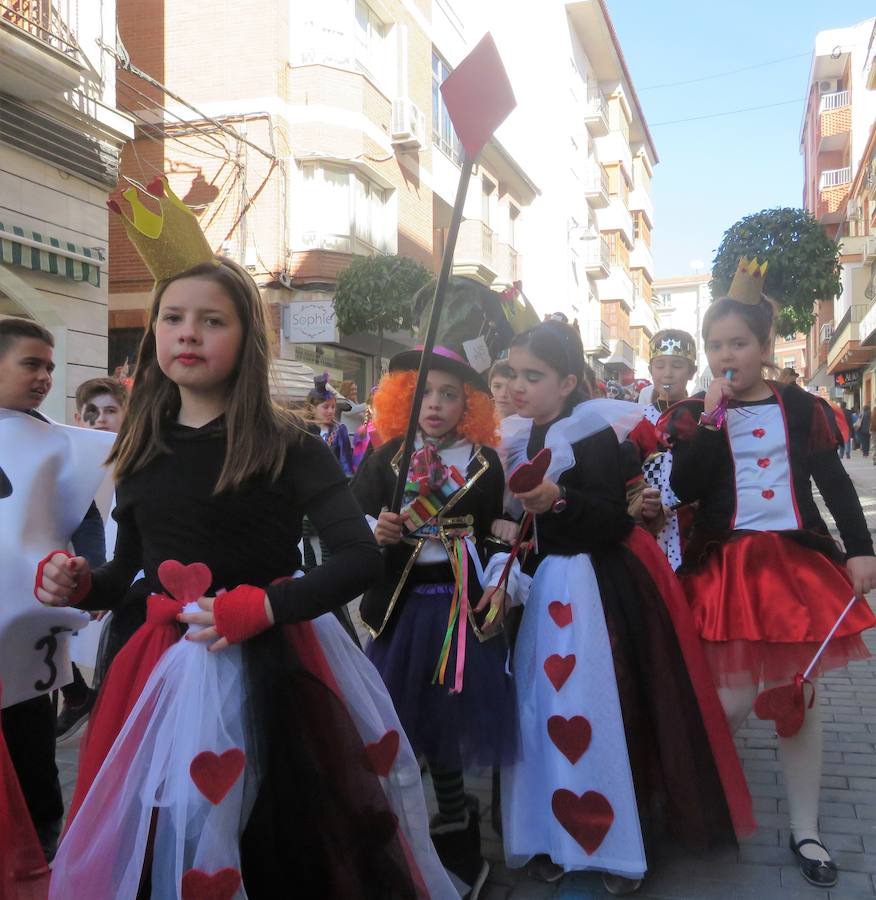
[765, 580]
[617, 711]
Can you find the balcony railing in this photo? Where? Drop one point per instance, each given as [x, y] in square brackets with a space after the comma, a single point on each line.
[836, 100]
[507, 263]
[41, 20]
[597, 256]
[476, 254]
[596, 114]
[595, 180]
[831, 178]
[595, 337]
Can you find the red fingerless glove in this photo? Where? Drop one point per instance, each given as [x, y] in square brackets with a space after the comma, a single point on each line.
[83, 583]
[240, 614]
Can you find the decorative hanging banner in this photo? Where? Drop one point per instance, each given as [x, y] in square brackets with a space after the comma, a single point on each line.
[54, 472]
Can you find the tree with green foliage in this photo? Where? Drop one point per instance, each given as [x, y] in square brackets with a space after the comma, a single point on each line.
[804, 264]
[375, 293]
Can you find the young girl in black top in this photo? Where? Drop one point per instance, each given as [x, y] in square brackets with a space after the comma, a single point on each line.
[611, 719]
[274, 758]
[765, 580]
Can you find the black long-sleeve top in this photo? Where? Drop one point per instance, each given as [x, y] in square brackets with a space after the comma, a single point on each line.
[702, 470]
[167, 510]
[595, 516]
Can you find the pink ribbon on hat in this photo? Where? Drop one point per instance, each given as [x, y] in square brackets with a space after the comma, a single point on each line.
[446, 352]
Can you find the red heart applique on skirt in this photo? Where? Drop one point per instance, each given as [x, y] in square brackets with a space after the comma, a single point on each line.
[570, 736]
[214, 776]
[221, 885]
[561, 613]
[587, 818]
[382, 753]
[559, 668]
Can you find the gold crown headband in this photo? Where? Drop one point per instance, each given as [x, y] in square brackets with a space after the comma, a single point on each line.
[747, 285]
[169, 242]
[673, 343]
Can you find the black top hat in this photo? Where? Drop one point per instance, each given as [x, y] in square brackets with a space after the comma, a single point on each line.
[473, 331]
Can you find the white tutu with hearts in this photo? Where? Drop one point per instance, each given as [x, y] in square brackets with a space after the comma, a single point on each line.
[182, 768]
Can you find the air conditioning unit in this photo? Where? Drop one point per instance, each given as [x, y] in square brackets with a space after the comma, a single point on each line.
[826, 332]
[408, 127]
[828, 86]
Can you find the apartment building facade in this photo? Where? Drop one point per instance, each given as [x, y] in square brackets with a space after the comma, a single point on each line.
[312, 131]
[580, 132]
[837, 126]
[60, 141]
[681, 302]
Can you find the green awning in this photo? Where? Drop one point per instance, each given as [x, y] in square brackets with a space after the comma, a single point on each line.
[42, 253]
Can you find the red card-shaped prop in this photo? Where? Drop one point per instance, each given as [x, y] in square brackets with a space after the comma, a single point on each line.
[478, 96]
[529, 475]
[785, 705]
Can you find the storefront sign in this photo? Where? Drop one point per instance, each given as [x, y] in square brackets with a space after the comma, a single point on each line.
[310, 322]
[848, 380]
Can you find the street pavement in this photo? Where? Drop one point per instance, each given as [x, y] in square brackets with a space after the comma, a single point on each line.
[762, 867]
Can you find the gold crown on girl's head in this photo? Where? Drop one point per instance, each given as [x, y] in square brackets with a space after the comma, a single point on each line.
[169, 242]
[747, 285]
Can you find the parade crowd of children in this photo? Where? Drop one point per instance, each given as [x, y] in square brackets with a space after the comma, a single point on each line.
[582, 595]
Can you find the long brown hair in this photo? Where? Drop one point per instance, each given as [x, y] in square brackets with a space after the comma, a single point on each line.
[258, 431]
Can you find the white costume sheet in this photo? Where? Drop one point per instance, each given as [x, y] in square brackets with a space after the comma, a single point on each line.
[51, 474]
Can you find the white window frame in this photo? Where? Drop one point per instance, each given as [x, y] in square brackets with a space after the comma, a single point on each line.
[443, 134]
[357, 237]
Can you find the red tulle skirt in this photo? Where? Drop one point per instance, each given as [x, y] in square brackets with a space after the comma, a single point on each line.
[763, 603]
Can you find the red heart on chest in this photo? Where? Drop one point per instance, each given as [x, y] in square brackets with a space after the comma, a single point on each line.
[214, 775]
[561, 613]
[764, 462]
[768, 494]
[221, 885]
[587, 818]
[185, 583]
[570, 736]
[382, 753]
[758, 432]
[785, 705]
[559, 668]
[529, 475]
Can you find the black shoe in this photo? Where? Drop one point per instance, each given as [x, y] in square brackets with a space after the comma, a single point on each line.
[458, 845]
[818, 872]
[72, 718]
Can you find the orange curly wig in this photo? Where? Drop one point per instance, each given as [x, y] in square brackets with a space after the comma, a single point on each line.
[392, 410]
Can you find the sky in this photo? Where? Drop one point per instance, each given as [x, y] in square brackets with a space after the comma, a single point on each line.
[714, 171]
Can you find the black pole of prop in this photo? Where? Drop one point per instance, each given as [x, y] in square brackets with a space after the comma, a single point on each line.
[431, 331]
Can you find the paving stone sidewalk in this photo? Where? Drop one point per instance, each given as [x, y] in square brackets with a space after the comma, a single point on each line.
[763, 866]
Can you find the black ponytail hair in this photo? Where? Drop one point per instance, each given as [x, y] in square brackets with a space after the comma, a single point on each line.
[758, 318]
[559, 346]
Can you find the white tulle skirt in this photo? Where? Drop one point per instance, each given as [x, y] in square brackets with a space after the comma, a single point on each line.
[182, 779]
